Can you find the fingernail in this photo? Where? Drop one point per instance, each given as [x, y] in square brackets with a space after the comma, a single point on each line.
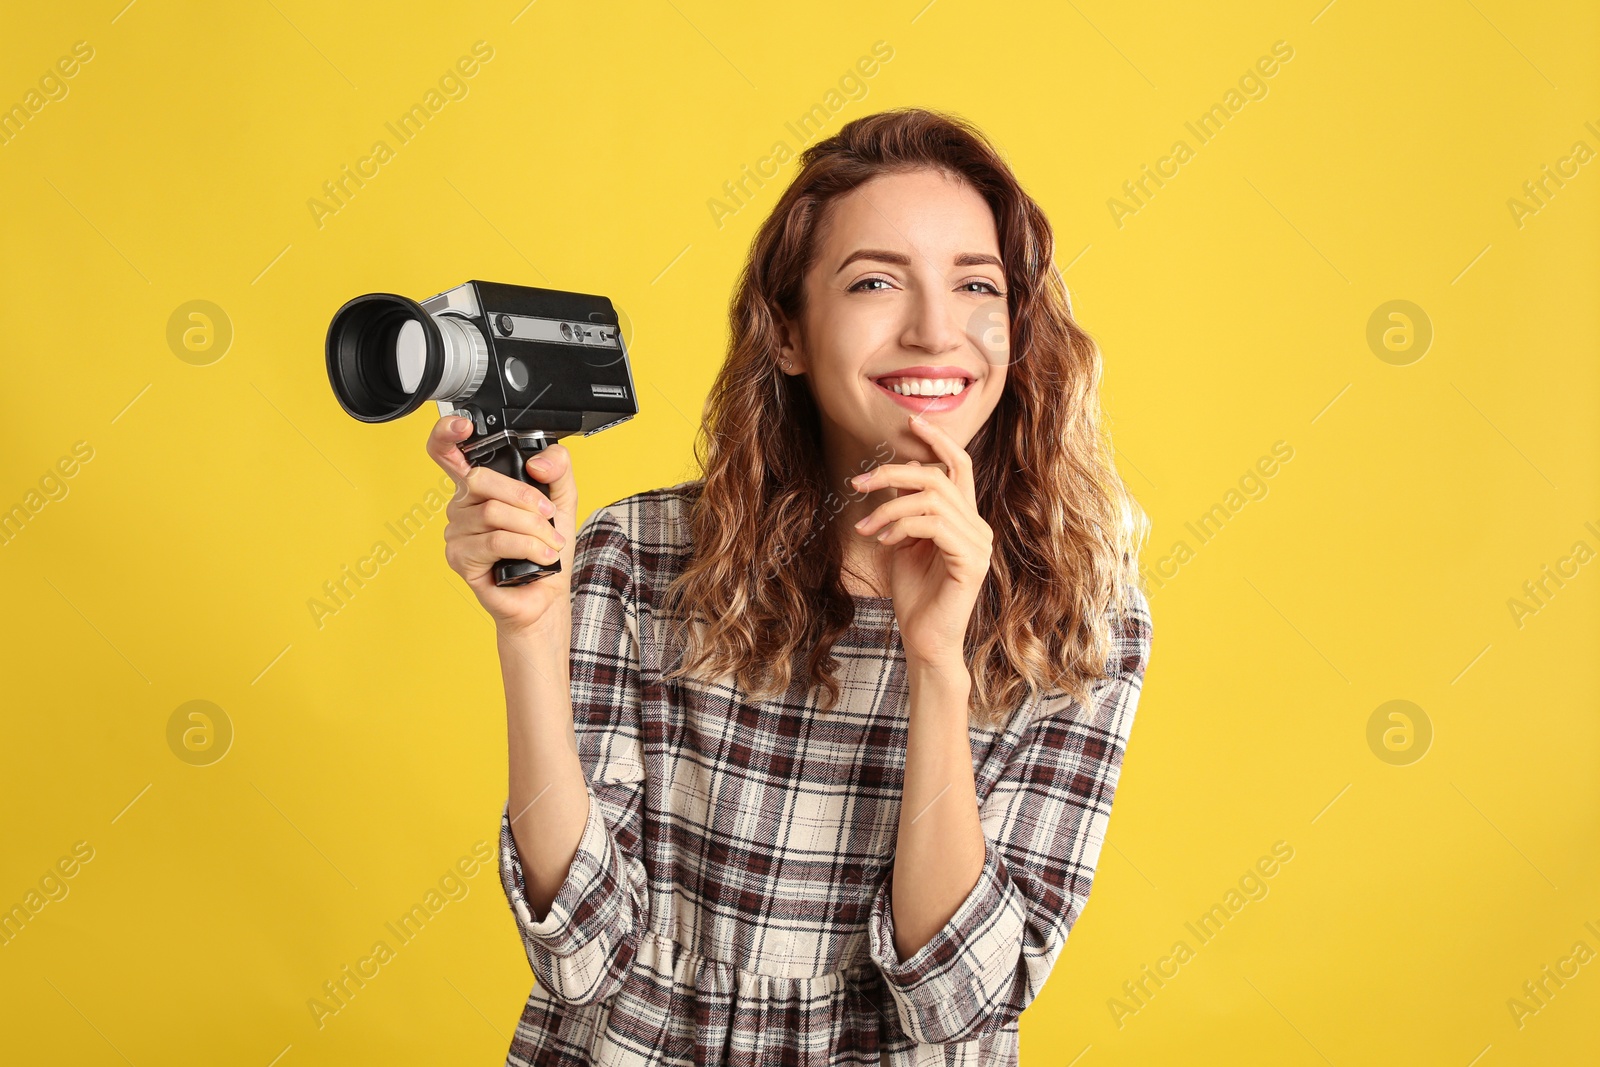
[457, 425]
[862, 523]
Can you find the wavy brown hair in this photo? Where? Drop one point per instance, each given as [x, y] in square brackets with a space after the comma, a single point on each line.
[1066, 530]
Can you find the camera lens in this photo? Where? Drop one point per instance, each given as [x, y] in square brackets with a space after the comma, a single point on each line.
[411, 355]
[385, 356]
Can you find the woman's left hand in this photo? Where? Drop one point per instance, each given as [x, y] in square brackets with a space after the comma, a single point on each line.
[941, 546]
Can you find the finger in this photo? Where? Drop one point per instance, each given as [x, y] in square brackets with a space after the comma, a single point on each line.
[498, 515]
[482, 483]
[963, 557]
[481, 550]
[442, 446]
[940, 467]
[911, 476]
[958, 464]
[552, 467]
[939, 504]
[895, 492]
[897, 508]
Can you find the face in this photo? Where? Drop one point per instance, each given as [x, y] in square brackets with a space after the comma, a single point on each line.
[905, 313]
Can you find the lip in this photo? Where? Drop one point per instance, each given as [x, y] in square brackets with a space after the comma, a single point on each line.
[928, 404]
[927, 372]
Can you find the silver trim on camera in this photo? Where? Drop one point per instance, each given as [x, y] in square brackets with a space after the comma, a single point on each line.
[462, 300]
[529, 441]
[466, 357]
[555, 331]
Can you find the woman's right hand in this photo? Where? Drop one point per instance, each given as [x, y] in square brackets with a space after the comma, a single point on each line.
[492, 517]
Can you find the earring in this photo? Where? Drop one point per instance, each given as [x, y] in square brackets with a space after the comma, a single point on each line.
[787, 365]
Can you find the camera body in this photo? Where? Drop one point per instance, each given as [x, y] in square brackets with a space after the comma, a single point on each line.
[553, 364]
[527, 366]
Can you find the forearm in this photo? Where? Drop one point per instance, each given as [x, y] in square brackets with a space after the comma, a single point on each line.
[940, 848]
[548, 793]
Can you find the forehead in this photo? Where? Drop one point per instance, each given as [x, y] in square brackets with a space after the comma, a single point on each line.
[926, 211]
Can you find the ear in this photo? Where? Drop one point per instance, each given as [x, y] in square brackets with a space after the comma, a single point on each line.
[789, 347]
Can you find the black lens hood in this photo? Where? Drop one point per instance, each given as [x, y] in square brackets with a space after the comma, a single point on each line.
[361, 363]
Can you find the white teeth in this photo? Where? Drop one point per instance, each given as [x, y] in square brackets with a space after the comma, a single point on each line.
[926, 386]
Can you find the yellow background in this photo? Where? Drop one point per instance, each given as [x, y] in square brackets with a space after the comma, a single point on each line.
[368, 755]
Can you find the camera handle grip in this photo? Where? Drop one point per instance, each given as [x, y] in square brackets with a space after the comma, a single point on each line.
[508, 456]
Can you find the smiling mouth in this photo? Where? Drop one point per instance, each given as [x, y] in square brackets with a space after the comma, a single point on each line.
[929, 388]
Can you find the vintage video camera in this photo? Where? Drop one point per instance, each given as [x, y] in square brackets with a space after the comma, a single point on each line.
[527, 366]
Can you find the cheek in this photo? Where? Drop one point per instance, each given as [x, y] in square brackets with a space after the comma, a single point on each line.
[852, 328]
[993, 388]
[843, 344]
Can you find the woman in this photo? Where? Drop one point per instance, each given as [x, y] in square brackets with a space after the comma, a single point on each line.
[816, 765]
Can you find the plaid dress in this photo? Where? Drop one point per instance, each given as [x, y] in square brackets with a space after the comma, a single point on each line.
[729, 902]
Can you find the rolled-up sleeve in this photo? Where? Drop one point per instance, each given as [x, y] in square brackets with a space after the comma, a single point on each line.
[1044, 823]
[583, 947]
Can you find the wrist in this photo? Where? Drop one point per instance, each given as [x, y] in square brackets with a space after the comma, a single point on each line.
[542, 637]
[949, 674]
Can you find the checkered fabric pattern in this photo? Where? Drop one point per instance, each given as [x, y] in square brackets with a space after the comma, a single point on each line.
[729, 902]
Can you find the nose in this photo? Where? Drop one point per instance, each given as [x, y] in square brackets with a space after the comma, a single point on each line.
[934, 324]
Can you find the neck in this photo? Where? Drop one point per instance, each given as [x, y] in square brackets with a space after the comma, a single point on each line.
[865, 563]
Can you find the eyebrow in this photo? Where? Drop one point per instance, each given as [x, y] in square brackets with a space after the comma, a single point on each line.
[883, 255]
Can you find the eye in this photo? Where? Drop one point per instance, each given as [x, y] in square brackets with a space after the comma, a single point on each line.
[860, 287]
[988, 287]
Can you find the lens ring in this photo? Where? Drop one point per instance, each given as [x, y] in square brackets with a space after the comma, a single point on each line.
[361, 362]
